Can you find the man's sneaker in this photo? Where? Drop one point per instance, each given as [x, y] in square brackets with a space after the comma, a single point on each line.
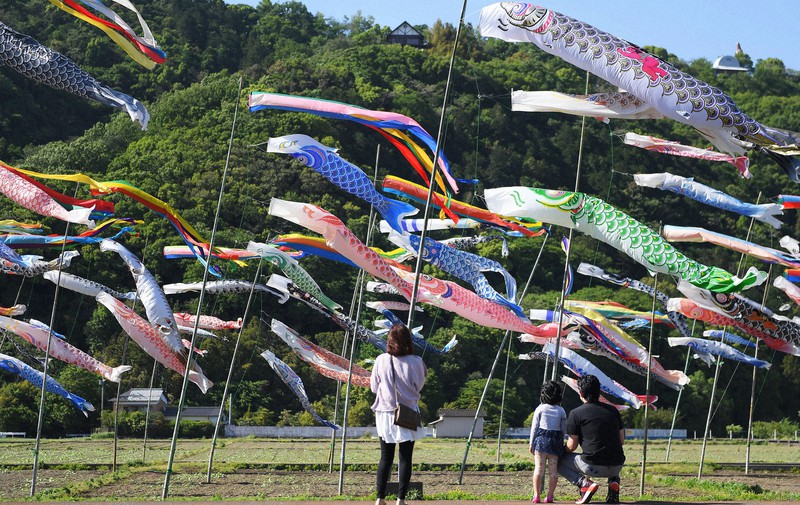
[588, 489]
[613, 492]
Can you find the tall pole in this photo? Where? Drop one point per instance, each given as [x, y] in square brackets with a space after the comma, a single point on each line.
[678, 402]
[719, 360]
[230, 371]
[40, 421]
[557, 351]
[116, 407]
[353, 346]
[494, 365]
[434, 171]
[708, 418]
[147, 411]
[647, 387]
[354, 302]
[176, 430]
[503, 402]
[753, 388]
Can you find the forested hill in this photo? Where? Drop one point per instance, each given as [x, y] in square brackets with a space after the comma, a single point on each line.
[281, 47]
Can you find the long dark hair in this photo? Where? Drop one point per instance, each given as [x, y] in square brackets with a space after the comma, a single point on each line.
[398, 342]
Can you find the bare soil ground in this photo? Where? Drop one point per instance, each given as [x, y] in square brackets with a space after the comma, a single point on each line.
[292, 485]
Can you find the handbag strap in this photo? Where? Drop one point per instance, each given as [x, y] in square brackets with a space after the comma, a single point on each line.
[394, 382]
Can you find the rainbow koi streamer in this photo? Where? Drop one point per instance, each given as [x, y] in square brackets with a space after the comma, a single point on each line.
[45, 66]
[22, 241]
[463, 265]
[603, 222]
[453, 208]
[789, 201]
[36, 333]
[706, 348]
[295, 383]
[391, 125]
[189, 235]
[343, 174]
[144, 50]
[705, 194]
[323, 361]
[36, 377]
[670, 91]
[695, 234]
[679, 320]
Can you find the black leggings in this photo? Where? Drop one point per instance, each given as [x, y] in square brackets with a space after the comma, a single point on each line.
[404, 468]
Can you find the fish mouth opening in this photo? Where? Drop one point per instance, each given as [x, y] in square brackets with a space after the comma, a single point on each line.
[528, 16]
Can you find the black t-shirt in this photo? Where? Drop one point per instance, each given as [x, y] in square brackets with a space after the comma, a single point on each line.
[597, 426]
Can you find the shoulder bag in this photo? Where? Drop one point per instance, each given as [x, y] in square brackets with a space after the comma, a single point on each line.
[404, 416]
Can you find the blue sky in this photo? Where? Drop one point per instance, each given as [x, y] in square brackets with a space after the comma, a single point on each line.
[690, 29]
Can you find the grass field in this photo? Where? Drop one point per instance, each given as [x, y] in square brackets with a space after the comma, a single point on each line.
[269, 468]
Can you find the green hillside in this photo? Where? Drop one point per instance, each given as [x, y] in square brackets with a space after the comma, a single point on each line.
[283, 48]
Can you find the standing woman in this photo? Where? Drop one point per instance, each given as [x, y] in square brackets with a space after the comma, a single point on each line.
[397, 367]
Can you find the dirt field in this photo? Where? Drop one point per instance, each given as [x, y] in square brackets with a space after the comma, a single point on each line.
[260, 469]
[146, 484]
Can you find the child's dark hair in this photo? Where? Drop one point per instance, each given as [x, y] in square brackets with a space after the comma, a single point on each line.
[551, 393]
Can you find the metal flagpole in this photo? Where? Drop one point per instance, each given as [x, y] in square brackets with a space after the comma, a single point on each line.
[753, 387]
[230, 371]
[168, 473]
[147, 411]
[494, 365]
[434, 172]
[647, 386]
[356, 290]
[116, 403]
[557, 351]
[119, 384]
[719, 360]
[40, 421]
[353, 344]
[503, 402]
[678, 402]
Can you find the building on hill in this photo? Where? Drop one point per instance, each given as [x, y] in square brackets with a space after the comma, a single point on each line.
[405, 34]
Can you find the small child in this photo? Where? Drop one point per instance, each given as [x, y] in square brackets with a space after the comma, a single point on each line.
[547, 438]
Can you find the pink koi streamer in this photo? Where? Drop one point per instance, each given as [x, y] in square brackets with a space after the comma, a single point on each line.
[35, 197]
[36, 334]
[323, 361]
[149, 339]
[206, 322]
